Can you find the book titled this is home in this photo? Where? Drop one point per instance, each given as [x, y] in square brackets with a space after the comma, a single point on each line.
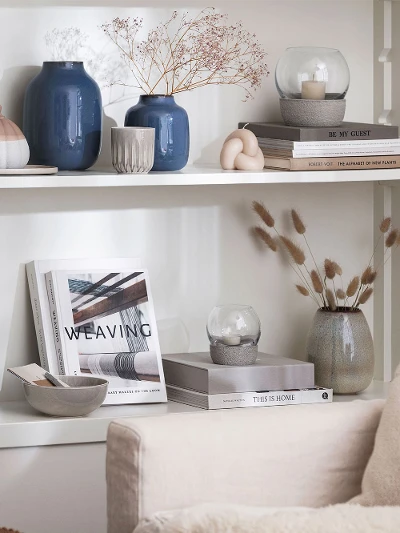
[104, 325]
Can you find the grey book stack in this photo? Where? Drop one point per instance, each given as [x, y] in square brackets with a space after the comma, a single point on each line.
[196, 371]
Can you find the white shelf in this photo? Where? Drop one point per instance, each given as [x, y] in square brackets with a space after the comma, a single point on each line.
[20, 425]
[193, 176]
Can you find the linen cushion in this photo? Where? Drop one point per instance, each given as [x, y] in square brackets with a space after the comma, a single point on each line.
[300, 455]
[240, 519]
[381, 481]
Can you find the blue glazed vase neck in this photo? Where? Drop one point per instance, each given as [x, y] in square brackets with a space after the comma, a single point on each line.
[65, 65]
[156, 99]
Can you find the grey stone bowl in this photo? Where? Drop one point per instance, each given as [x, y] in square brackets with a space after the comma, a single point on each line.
[243, 355]
[312, 113]
[84, 395]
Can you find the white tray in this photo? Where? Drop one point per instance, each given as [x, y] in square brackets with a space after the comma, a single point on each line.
[28, 170]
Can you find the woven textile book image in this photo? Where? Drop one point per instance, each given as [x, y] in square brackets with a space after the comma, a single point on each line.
[104, 325]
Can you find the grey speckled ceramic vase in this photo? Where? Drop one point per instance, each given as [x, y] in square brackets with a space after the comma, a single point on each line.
[341, 348]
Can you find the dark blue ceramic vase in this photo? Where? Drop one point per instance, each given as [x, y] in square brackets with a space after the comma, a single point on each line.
[171, 123]
[63, 116]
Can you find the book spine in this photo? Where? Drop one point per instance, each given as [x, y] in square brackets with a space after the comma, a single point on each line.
[346, 152]
[364, 132]
[269, 399]
[279, 144]
[332, 163]
[55, 322]
[37, 315]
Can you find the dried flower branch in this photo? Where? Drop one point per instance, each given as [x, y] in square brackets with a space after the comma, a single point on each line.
[294, 250]
[264, 214]
[313, 284]
[365, 295]
[340, 294]
[183, 53]
[329, 267]
[265, 237]
[331, 299]
[298, 223]
[385, 225]
[316, 281]
[302, 290]
[366, 275]
[352, 287]
[391, 238]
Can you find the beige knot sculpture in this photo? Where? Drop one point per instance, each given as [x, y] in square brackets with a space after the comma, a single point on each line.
[240, 151]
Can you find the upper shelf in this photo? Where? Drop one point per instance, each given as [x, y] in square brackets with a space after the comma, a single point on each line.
[126, 3]
[192, 176]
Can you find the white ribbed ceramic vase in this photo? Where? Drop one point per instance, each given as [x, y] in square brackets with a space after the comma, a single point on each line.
[132, 149]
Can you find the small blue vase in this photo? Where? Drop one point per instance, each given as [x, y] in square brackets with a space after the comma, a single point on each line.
[171, 150]
[63, 116]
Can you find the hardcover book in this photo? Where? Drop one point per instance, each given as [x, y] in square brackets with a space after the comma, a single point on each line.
[196, 371]
[333, 163]
[35, 271]
[249, 399]
[104, 325]
[346, 131]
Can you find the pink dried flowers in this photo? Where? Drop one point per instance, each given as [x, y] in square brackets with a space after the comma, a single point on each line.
[184, 53]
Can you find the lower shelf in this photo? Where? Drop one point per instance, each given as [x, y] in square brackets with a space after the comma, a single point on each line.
[21, 426]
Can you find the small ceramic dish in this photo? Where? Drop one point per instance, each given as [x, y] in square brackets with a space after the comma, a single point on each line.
[84, 395]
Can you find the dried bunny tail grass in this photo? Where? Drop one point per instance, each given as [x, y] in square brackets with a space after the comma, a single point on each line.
[385, 224]
[372, 277]
[265, 237]
[264, 214]
[329, 267]
[331, 299]
[298, 223]
[295, 251]
[365, 295]
[366, 275]
[337, 268]
[391, 238]
[341, 295]
[316, 281]
[353, 286]
[302, 290]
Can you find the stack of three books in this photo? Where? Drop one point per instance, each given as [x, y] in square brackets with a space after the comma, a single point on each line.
[195, 380]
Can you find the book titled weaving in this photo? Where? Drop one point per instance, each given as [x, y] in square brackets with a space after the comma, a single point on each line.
[104, 325]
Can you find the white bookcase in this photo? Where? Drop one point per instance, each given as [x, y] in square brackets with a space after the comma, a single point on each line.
[191, 228]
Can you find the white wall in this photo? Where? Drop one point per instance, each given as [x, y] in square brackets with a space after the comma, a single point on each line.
[54, 489]
[194, 240]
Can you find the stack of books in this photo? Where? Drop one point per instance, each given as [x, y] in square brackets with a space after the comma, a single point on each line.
[349, 146]
[195, 380]
[96, 317]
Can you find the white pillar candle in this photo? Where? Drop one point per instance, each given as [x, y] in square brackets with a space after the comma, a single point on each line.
[313, 90]
[231, 340]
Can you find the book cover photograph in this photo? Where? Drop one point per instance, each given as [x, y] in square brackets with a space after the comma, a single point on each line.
[104, 325]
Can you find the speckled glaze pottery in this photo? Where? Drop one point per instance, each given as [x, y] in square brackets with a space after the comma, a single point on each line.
[312, 113]
[243, 355]
[341, 348]
[84, 395]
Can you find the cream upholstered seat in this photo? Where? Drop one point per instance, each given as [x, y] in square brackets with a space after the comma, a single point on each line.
[306, 455]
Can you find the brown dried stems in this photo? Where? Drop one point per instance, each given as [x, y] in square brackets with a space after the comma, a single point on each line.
[314, 285]
[184, 53]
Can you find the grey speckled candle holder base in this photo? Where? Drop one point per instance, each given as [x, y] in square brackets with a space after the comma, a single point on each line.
[312, 113]
[242, 355]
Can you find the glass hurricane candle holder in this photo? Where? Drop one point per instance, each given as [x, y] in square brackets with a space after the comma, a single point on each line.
[234, 331]
[312, 83]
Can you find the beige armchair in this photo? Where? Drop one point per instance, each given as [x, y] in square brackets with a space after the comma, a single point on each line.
[306, 455]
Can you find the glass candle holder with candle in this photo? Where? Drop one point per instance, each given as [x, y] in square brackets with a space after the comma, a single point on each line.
[312, 83]
[234, 331]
